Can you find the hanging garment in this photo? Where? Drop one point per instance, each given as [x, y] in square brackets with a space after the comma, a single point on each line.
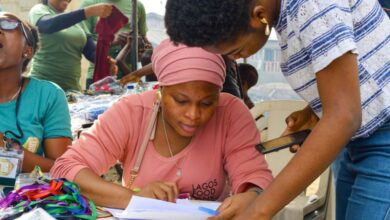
[106, 29]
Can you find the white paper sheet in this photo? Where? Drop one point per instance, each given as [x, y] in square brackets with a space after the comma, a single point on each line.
[146, 208]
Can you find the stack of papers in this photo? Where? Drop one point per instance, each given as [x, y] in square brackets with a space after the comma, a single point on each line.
[146, 208]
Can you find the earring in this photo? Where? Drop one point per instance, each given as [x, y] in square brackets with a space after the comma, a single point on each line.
[25, 55]
[158, 95]
[267, 29]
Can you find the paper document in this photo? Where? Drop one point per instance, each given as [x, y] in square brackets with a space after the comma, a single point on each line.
[146, 208]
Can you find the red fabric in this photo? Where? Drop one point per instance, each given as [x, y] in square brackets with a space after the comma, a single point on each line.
[106, 29]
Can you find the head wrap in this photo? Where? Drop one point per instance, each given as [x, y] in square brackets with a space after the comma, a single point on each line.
[179, 64]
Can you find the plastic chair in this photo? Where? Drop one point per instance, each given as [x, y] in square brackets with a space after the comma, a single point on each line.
[270, 120]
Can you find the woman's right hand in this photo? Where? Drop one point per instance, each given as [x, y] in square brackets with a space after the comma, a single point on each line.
[300, 120]
[102, 10]
[166, 191]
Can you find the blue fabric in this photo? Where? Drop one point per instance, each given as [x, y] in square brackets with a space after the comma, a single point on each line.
[89, 50]
[49, 24]
[336, 165]
[363, 181]
[43, 114]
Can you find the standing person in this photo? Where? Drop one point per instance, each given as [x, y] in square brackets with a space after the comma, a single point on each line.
[146, 59]
[249, 78]
[335, 54]
[232, 82]
[121, 39]
[33, 113]
[63, 41]
[190, 134]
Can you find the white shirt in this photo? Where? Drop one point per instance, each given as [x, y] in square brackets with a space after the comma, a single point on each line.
[313, 33]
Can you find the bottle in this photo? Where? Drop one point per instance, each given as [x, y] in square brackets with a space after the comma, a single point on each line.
[130, 89]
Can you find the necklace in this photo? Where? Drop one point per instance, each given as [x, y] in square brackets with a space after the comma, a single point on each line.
[178, 169]
[16, 94]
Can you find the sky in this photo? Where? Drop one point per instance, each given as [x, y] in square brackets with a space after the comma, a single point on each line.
[157, 6]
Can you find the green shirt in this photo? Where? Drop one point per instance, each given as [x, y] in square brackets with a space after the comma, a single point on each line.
[125, 7]
[59, 56]
[43, 113]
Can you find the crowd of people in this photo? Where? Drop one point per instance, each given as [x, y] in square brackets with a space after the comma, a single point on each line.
[195, 134]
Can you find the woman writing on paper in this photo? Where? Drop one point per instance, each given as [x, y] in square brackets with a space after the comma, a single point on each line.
[196, 137]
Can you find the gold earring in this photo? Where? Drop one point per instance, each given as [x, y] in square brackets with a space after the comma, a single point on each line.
[267, 29]
[158, 95]
[25, 55]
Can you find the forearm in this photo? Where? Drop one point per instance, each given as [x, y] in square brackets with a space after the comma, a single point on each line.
[51, 24]
[101, 192]
[327, 139]
[146, 70]
[31, 160]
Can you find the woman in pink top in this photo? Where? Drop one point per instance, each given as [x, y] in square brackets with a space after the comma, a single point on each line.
[197, 137]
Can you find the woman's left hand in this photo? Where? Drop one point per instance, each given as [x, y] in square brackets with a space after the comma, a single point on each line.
[232, 206]
[113, 66]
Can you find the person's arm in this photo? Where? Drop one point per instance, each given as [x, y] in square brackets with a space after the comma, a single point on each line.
[50, 24]
[101, 192]
[340, 120]
[95, 152]
[54, 148]
[89, 50]
[113, 137]
[108, 194]
[56, 125]
[246, 167]
[136, 75]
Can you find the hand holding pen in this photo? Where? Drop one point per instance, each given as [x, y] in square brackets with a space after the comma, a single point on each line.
[166, 191]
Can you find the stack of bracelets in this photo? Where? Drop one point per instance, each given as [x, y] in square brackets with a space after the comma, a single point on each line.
[59, 197]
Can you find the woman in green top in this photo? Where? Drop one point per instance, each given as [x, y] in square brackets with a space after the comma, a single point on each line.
[125, 7]
[33, 113]
[63, 41]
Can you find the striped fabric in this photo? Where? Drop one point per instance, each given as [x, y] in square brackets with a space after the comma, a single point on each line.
[313, 33]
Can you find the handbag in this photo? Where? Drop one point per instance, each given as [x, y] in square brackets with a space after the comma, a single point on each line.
[149, 134]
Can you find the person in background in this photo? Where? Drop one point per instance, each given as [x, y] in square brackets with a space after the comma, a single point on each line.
[249, 77]
[123, 34]
[232, 82]
[335, 54]
[191, 137]
[146, 59]
[63, 41]
[33, 113]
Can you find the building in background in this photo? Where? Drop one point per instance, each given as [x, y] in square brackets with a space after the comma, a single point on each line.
[156, 29]
[271, 84]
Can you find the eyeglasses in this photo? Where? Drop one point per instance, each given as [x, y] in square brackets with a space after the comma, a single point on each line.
[8, 24]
